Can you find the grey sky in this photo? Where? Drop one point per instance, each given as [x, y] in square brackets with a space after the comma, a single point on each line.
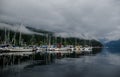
[94, 18]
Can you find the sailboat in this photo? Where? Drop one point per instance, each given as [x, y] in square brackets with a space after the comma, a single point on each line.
[14, 48]
[88, 48]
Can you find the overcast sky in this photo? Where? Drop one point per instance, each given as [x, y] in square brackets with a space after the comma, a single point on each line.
[98, 19]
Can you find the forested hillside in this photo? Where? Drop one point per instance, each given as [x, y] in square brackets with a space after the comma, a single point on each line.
[45, 39]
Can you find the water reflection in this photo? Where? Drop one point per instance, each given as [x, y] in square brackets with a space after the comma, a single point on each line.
[114, 50]
[104, 64]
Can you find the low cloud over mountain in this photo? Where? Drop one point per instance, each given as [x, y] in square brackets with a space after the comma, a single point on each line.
[98, 19]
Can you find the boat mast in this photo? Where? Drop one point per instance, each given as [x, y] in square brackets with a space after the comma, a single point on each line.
[20, 38]
[8, 37]
[61, 41]
[5, 37]
[49, 40]
[20, 35]
[75, 41]
[14, 39]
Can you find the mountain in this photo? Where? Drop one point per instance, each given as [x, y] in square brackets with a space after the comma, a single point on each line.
[42, 39]
[113, 44]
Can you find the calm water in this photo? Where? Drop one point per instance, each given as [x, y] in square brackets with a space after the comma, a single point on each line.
[103, 64]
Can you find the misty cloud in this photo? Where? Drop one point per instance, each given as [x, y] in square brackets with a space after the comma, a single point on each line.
[96, 19]
[17, 28]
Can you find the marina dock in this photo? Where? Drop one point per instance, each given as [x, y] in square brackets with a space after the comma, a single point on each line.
[10, 58]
